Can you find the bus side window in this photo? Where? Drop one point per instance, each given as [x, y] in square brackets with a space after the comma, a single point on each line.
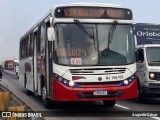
[140, 55]
[42, 39]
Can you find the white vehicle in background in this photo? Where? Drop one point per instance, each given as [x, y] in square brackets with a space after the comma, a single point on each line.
[148, 60]
[148, 70]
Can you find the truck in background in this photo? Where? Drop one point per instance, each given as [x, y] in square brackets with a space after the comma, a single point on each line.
[148, 60]
[9, 65]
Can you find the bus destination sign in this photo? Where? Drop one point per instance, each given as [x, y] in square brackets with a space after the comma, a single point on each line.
[93, 12]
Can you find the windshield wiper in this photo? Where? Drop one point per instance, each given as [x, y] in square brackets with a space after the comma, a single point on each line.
[83, 28]
[111, 32]
[110, 37]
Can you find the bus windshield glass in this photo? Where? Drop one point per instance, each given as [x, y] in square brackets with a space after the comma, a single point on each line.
[94, 44]
[153, 56]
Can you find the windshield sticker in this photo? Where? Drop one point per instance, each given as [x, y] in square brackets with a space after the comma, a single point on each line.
[76, 61]
[70, 52]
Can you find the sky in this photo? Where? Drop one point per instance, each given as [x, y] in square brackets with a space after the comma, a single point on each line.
[18, 16]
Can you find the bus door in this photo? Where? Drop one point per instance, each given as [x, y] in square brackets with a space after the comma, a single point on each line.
[48, 61]
[45, 56]
[40, 56]
[35, 60]
[40, 59]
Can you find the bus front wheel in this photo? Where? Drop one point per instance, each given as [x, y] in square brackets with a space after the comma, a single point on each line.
[109, 103]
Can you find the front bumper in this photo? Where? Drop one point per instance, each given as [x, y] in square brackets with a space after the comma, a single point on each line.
[61, 92]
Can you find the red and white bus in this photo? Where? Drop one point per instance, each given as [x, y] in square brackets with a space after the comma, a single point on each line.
[9, 65]
[80, 52]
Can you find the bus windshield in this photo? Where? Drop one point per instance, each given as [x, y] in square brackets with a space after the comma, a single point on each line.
[94, 44]
[153, 56]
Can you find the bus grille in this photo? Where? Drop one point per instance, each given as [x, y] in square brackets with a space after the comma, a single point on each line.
[97, 71]
[99, 83]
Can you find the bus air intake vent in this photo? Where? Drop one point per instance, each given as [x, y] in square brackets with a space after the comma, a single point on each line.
[97, 71]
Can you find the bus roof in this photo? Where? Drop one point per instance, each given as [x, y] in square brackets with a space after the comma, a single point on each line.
[90, 4]
[51, 11]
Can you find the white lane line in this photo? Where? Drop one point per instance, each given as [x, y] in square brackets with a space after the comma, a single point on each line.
[122, 106]
[157, 118]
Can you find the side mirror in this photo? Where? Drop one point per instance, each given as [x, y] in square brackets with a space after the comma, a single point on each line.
[137, 56]
[50, 34]
[0, 75]
[140, 55]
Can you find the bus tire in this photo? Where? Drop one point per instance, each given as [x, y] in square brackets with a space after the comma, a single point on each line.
[109, 103]
[28, 92]
[46, 101]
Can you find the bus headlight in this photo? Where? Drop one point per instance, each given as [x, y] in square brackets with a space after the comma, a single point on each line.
[126, 82]
[71, 83]
[152, 75]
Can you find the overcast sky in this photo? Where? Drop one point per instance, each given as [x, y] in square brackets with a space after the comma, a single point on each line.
[18, 16]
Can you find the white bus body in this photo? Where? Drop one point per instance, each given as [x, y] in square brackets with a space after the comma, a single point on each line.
[61, 68]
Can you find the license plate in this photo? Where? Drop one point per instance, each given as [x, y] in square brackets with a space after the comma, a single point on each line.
[100, 92]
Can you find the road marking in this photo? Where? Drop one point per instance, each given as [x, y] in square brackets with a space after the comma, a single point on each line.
[157, 118]
[122, 106]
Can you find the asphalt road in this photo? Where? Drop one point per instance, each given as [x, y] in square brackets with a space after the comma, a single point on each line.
[123, 110]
